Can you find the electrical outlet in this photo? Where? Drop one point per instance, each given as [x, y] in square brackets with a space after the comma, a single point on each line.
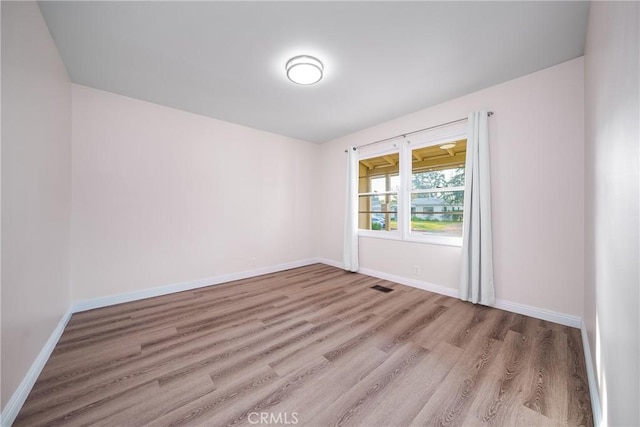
[416, 270]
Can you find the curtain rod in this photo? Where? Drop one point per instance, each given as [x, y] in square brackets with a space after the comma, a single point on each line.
[404, 135]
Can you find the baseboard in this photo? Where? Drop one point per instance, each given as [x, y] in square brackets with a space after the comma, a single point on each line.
[419, 284]
[328, 261]
[91, 304]
[426, 286]
[591, 378]
[18, 398]
[514, 307]
[540, 313]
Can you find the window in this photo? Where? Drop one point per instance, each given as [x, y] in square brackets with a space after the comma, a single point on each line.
[414, 189]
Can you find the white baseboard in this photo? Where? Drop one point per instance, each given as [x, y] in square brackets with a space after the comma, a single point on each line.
[414, 283]
[90, 304]
[328, 261]
[591, 377]
[11, 410]
[539, 313]
[514, 307]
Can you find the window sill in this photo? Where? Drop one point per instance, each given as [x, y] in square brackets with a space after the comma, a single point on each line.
[430, 240]
[436, 240]
[389, 235]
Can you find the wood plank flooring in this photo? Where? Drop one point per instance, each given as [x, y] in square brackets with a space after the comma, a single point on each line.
[310, 346]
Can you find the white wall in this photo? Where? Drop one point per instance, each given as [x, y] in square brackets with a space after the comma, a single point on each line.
[612, 254]
[537, 151]
[162, 196]
[36, 189]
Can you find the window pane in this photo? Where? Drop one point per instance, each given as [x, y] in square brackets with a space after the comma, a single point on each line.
[380, 184]
[378, 212]
[438, 166]
[438, 179]
[437, 213]
[377, 167]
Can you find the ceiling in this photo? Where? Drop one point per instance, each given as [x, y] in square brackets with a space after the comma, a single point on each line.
[382, 59]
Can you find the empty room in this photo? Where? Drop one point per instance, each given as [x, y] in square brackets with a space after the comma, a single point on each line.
[320, 213]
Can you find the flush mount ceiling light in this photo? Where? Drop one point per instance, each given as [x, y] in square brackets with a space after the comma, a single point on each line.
[304, 70]
[448, 145]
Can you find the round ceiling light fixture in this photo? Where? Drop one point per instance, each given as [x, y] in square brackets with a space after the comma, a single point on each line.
[304, 70]
[448, 145]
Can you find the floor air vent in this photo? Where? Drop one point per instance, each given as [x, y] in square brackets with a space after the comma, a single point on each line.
[382, 289]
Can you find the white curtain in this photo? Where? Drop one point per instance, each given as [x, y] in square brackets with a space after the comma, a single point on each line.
[476, 282]
[350, 255]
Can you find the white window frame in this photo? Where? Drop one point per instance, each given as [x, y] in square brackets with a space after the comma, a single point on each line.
[404, 148]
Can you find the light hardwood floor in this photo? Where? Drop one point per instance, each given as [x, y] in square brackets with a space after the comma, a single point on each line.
[310, 346]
